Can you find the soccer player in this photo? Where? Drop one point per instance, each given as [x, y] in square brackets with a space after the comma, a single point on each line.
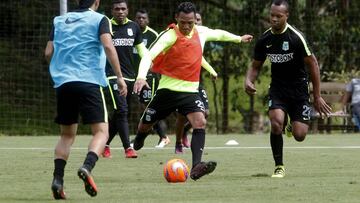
[149, 36]
[288, 53]
[76, 51]
[182, 125]
[126, 37]
[177, 56]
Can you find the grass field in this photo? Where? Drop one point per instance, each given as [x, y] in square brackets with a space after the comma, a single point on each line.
[325, 168]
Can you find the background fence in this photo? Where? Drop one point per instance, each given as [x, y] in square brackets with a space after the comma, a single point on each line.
[27, 100]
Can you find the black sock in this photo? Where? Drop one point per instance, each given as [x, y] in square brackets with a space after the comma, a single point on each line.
[197, 145]
[59, 168]
[91, 159]
[276, 142]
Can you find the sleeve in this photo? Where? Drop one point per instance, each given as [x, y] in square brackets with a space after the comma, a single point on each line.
[138, 35]
[105, 26]
[303, 45]
[349, 86]
[259, 51]
[218, 35]
[51, 36]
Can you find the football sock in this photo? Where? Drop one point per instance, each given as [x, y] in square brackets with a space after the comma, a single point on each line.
[91, 159]
[276, 142]
[197, 145]
[59, 168]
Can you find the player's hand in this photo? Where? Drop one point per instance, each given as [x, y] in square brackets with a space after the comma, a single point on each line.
[139, 84]
[246, 38]
[122, 86]
[250, 87]
[322, 107]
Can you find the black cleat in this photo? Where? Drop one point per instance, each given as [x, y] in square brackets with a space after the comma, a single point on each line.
[139, 142]
[90, 186]
[57, 189]
[202, 169]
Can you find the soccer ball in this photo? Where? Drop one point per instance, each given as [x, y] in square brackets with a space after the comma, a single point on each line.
[176, 170]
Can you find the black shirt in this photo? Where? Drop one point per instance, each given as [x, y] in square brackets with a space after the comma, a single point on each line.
[125, 38]
[286, 52]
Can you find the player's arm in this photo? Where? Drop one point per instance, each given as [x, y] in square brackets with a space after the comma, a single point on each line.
[110, 51]
[142, 50]
[222, 35]
[319, 103]
[208, 67]
[251, 76]
[49, 50]
[163, 43]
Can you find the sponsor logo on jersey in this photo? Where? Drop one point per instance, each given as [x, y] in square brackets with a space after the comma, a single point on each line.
[123, 42]
[130, 32]
[280, 58]
[285, 46]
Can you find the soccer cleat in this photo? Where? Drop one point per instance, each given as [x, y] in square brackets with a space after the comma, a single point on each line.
[138, 142]
[57, 189]
[179, 148]
[130, 153]
[90, 186]
[201, 169]
[106, 153]
[185, 141]
[163, 142]
[279, 172]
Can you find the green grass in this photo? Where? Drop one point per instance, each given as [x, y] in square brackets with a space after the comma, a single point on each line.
[322, 169]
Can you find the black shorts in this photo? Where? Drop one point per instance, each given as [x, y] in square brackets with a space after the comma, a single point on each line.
[298, 110]
[118, 103]
[166, 101]
[147, 93]
[86, 99]
[204, 97]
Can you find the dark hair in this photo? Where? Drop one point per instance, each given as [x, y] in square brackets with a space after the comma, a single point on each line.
[143, 11]
[186, 7]
[281, 2]
[119, 1]
[85, 3]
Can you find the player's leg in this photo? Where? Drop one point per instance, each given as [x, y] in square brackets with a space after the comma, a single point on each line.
[93, 111]
[277, 117]
[199, 167]
[299, 113]
[62, 151]
[161, 105]
[160, 128]
[67, 116]
[179, 132]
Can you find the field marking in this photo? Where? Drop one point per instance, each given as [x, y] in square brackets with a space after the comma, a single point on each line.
[172, 148]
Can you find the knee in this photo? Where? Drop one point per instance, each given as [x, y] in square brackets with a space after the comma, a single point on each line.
[144, 128]
[199, 123]
[299, 135]
[276, 127]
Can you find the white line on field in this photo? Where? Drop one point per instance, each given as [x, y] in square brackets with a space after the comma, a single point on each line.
[172, 148]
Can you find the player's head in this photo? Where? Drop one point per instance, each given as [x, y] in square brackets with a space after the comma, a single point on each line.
[185, 17]
[119, 10]
[142, 18]
[279, 13]
[83, 4]
[198, 18]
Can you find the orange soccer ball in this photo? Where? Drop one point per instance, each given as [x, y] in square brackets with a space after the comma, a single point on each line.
[176, 170]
